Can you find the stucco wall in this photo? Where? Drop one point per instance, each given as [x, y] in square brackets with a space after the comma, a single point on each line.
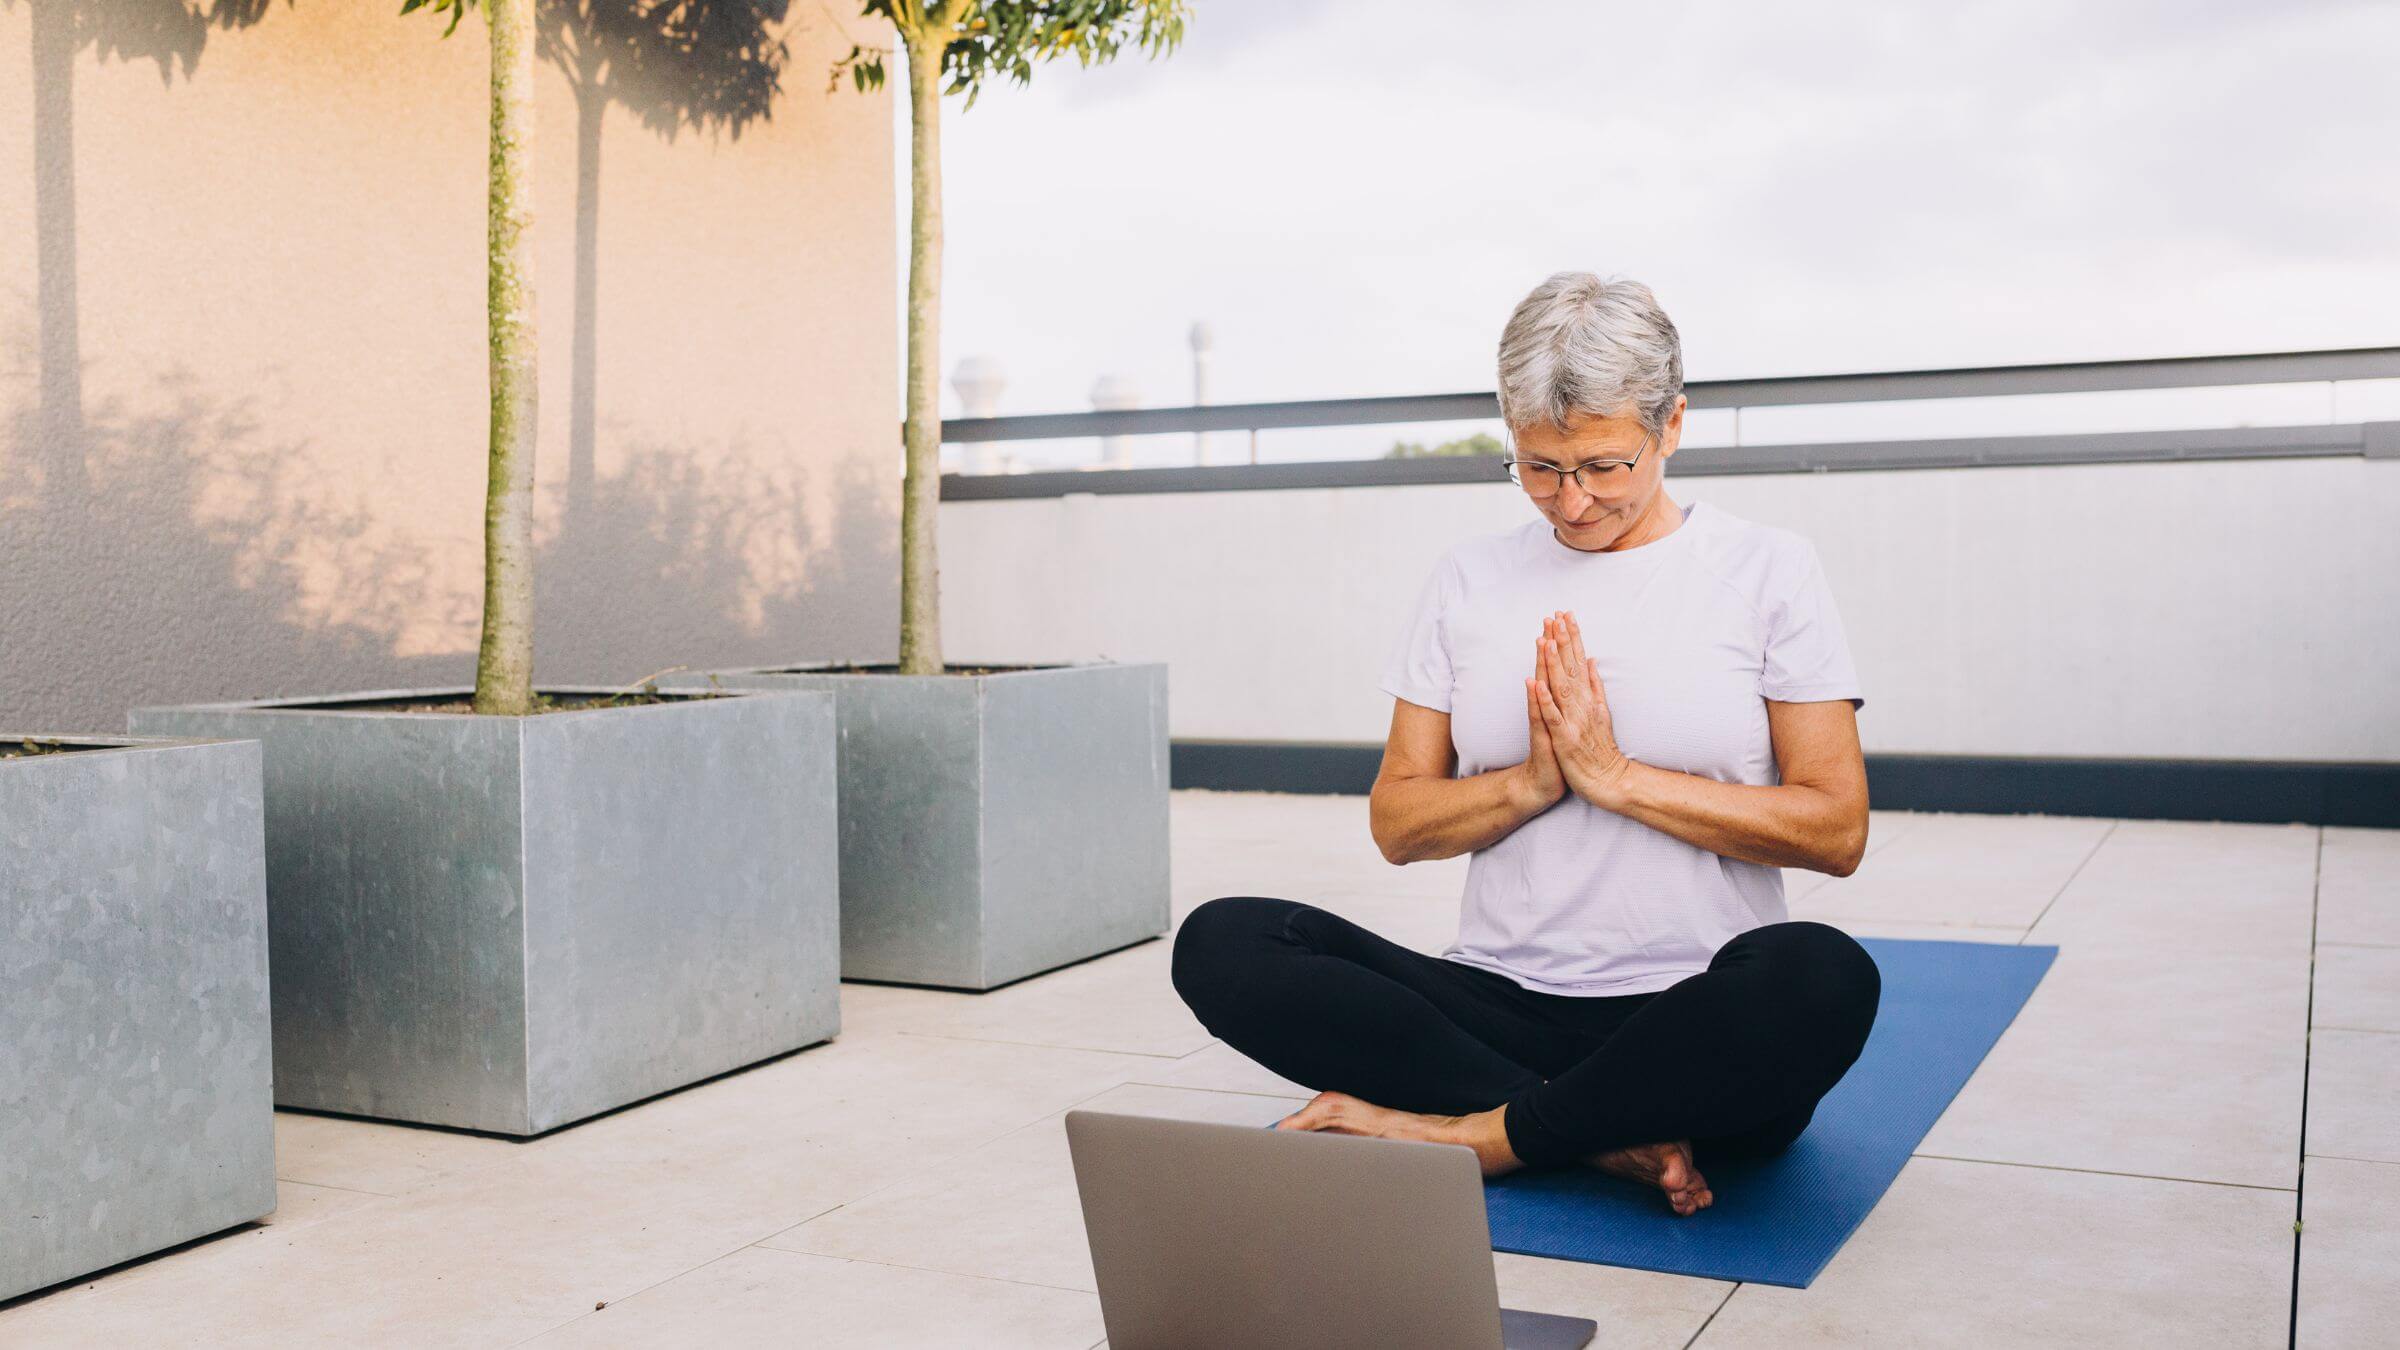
[2229, 610]
[277, 314]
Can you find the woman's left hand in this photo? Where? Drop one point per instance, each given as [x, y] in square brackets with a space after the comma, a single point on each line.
[1576, 710]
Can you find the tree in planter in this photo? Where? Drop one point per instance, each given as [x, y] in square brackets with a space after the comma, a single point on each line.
[504, 657]
[703, 63]
[964, 42]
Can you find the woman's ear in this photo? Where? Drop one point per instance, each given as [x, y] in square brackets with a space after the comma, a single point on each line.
[1671, 439]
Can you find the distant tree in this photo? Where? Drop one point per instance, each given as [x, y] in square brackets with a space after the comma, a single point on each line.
[702, 65]
[1481, 443]
[170, 33]
[504, 658]
[952, 46]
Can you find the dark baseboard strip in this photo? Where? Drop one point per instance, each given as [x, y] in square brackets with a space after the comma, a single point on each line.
[2264, 791]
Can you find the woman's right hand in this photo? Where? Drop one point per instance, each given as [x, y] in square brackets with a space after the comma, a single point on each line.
[1545, 783]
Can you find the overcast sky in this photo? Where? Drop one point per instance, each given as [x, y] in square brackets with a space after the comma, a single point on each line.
[1354, 194]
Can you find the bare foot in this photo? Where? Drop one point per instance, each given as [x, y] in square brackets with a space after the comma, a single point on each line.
[1341, 1113]
[1667, 1166]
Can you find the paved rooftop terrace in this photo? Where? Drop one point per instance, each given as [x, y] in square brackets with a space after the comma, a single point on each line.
[2126, 1168]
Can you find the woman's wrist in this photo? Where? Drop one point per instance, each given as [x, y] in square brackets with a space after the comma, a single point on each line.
[1528, 794]
[1616, 789]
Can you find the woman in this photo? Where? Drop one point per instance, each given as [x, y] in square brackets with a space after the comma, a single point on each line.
[1634, 715]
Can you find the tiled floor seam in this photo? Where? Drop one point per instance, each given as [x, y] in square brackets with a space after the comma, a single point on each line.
[2308, 1033]
[2097, 845]
[758, 1243]
[360, 1190]
[1228, 1092]
[937, 1161]
[606, 1304]
[2106, 1172]
[1702, 1329]
[1043, 1045]
[927, 1270]
[2354, 1158]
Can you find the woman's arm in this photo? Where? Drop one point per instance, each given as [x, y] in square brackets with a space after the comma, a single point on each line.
[1815, 819]
[1418, 811]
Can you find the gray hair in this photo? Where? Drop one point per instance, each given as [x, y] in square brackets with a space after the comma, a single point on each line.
[1579, 343]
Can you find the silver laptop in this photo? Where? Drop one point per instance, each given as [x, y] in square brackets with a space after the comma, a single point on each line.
[1207, 1236]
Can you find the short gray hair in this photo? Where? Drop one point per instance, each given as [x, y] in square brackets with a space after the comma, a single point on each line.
[1579, 343]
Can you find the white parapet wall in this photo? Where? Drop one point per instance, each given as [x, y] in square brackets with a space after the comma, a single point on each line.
[2245, 609]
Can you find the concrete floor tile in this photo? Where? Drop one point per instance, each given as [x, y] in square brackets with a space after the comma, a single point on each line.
[761, 1296]
[2354, 1095]
[2357, 988]
[1635, 1308]
[372, 1156]
[2359, 888]
[1990, 1256]
[1123, 1003]
[2349, 1255]
[2124, 1061]
[607, 1208]
[1220, 1068]
[296, 1207]
[485, 1259]
[1997, 871]
[298, 1204]
[1008, 1210]
[2168, 1040]
[848, 1117]
[2171, 888]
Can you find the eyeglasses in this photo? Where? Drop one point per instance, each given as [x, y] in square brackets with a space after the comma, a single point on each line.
[1540, 478]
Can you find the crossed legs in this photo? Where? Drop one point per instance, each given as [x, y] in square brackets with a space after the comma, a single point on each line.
[1727, 1062]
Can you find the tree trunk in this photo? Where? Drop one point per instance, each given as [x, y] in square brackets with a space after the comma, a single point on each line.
[583, 406]
[58, 429]
[921, 437]
[504, 664]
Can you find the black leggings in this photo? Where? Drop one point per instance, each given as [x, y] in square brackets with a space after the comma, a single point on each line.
[1733, 1059]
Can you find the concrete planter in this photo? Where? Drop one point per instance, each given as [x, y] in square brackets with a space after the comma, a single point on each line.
[136, 1109]
[994, 826]
[511, 923]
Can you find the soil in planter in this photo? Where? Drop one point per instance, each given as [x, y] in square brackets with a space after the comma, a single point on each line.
[30, 746]
[543, 702]
[893, 668]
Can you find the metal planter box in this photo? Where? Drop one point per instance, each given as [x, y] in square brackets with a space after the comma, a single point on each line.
[512, 923]
[994, 826]
[136, 1108]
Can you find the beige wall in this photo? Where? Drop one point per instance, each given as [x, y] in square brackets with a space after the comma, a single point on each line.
[278, 267]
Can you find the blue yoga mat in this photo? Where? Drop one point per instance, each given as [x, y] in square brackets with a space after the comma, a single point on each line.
[1778, 1221]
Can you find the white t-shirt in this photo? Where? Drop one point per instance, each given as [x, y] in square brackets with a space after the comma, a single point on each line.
[1693, 633]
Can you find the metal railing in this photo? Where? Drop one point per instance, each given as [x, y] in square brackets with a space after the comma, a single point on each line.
[2332, 367]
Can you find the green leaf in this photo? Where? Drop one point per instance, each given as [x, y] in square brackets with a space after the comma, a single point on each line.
[457, 9]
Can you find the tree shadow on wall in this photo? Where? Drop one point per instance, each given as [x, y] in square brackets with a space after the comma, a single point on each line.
[169, 34]
[677, 562]
[205, 560]
[711, 66]
[211, 561]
